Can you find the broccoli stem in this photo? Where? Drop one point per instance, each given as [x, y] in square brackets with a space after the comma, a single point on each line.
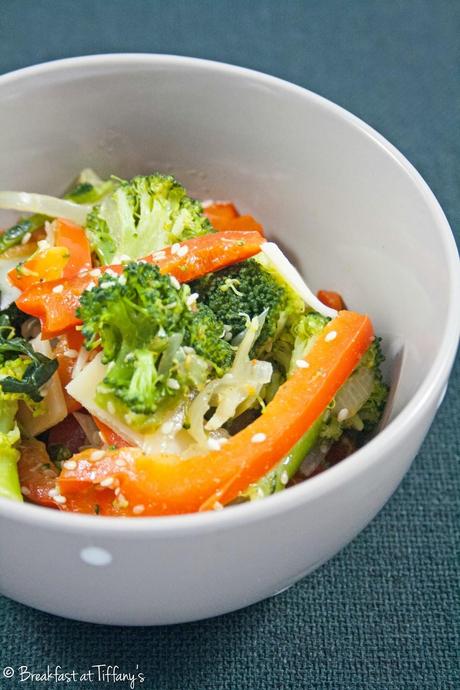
[276, 479]
[16, 233]
[9, 456]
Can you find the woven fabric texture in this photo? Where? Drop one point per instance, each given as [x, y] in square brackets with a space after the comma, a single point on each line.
[383, 614]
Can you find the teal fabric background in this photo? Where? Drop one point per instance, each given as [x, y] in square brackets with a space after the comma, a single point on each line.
[383, 614]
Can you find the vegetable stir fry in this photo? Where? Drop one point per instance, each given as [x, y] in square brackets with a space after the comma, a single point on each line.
[159, 356]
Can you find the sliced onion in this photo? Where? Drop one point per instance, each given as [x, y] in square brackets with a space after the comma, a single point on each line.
[8, 293]
[240, 385]
[30, 328]
[90, 429]
[47, 205]
[294, 279]
[354, 393]
[313, 460]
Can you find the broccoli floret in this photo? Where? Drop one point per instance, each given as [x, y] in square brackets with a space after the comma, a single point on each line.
[143, 215]
[205, 333]
[365, 385]
[246, 290]
[372, 410]
[157, 345]
[303, 332]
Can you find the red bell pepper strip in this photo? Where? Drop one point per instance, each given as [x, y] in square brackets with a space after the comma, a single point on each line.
[57, 309]
[38, 479]
[73, 237]
[167, 484]
[331, 299]
[66, 356]
[224, 216]
[37, 474]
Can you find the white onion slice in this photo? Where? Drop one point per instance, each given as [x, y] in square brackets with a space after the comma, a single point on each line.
[8, 293]
[294, 279]
[90, 429]
[47, 205]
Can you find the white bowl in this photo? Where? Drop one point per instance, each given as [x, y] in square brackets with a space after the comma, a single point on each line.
[356, 217]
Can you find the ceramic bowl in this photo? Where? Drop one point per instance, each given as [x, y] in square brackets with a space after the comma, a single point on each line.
[349, 210]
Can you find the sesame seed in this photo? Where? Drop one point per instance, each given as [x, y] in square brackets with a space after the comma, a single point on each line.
[191, 299]
[83, 272]
[175, 248]
[120, 463]
[110, 272]
[52, 493]
[122, 279]
[183, 250]
[95, 272]
[60, 499]
[70, 465]
[108, 481]
[58, 288]
[332, 335]
[173, 383]
[158, 256]
[137, 510]
[25, 491]
[121, 501]
[302, 364]
[174, 282]
[24, 240]
[218, 506]
[90, 285]
[213, 444]
[97, 455]
[258, 438]
[343, 414]
[324, 447]
[117, 491]
[284, 477]
[167, 427]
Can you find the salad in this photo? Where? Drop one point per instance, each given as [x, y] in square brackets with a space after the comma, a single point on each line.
[160, 356]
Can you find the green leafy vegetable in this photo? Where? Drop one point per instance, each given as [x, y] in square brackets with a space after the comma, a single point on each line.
[33, 368]
[22, 374]
[15, 234]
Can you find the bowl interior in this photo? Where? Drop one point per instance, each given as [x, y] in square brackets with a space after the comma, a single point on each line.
[343, 206]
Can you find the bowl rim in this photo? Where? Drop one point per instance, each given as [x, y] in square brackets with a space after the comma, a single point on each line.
[432, 384]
